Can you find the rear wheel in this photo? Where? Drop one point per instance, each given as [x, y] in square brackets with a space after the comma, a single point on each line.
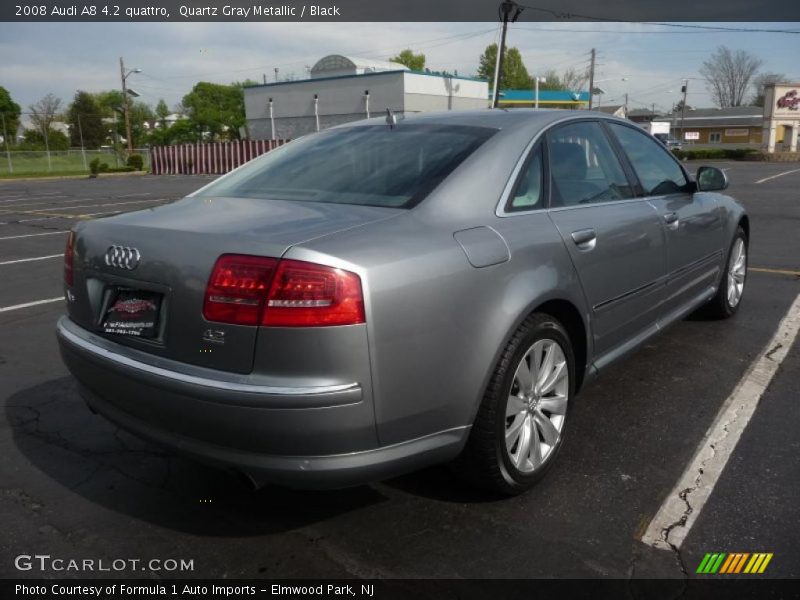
[729, 294]
[521, 422]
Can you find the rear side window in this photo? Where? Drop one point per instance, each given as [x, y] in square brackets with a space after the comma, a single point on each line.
[583, 166]
[371, 165]
[528, 194]
[657, 171]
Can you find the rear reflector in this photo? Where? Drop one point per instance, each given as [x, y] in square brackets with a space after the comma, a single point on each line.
[252, 290]
[237, 289]
[309, 295]
[69, 259]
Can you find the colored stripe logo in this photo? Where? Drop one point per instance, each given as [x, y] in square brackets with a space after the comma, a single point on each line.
[734, 563]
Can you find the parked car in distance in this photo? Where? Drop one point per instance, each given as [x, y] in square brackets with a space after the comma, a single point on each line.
[669, 141]
[380, 297]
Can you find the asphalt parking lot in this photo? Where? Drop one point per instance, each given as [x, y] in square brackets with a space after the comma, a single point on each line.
[74, 486]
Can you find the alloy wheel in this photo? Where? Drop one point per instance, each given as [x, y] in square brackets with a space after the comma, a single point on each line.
[537, 405]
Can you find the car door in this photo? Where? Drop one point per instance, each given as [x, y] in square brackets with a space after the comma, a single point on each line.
[691, 221]
[615, 239]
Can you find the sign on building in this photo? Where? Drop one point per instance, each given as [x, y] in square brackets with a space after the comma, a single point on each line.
[781, 113]
[691, 135]
[737, 132]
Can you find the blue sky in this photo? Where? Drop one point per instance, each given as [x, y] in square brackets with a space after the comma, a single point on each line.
[63, 57]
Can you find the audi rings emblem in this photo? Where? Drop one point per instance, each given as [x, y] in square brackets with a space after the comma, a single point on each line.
[123, 257]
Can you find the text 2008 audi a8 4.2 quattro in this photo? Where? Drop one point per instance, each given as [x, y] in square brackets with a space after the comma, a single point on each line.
[383, 296]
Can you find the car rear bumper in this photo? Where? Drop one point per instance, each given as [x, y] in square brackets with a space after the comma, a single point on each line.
[306, 436]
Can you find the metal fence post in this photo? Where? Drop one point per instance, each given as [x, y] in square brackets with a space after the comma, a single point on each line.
[5, 137]
[47, 148]
[83, 150]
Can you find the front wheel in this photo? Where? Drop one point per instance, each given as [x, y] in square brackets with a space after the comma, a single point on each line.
[521, 422]
[729, 294]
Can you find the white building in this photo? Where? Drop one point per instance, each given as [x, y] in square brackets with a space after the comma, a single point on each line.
[781, 117]
[343, 89]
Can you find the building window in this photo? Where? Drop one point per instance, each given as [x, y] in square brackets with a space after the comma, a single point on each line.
[714, 138]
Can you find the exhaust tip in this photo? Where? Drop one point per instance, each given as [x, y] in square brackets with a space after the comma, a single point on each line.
[248, 480]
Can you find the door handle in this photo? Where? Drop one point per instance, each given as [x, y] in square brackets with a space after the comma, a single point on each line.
[671, 220]
[585, 239]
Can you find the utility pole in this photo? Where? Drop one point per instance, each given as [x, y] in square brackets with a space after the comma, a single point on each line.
[626, 105]
[685, 89]
[591, 80]
[505, 7]
[124, 77]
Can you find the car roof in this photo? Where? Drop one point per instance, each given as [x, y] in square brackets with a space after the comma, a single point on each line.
[500, 118]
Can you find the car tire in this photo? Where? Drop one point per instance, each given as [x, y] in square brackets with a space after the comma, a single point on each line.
[531, 417]
[728, 298]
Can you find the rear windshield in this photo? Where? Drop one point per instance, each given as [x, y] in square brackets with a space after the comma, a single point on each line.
[369, 165]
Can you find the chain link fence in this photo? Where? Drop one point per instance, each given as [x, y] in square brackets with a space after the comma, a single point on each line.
[20, 162]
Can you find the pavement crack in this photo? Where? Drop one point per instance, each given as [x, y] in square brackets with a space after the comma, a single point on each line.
[777, 347]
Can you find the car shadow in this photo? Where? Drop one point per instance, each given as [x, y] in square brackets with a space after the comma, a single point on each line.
[54, 430]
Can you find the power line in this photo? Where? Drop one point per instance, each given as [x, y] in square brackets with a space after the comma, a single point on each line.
[566, 15]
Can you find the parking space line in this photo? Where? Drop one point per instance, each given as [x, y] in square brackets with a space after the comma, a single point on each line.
[22, 260]
[29, 304]
[39, 197]
[13, 210]
[27, 235]
[778, 175]
[676, 516]
[774, 271]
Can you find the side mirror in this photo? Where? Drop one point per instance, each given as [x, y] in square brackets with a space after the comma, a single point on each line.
[711, 179]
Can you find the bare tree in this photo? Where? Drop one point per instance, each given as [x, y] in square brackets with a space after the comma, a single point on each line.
[729, 74]
[43, 113]
[759, 82]
[574, 80]
[571, 80]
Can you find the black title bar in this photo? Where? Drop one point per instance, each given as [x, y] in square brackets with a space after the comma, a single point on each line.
[397, 10]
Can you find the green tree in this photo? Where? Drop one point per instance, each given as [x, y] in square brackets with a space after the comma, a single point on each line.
[33, 139]
[514, 76]
[415, 62]
[162, 112]
[112, 107]
[10, 111]
[218, 110]
[86, 121]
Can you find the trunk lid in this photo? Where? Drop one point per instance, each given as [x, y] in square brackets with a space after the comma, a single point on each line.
[177, 246]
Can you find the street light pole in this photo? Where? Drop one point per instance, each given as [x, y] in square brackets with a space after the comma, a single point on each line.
[124, 76]
[591, 80]
[683, 108]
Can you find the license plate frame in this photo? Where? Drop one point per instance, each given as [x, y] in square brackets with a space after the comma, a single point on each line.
[132, 312]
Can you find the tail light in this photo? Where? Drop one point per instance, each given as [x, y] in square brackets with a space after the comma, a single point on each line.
[69, 259]
[237, 289]
[251, 290]
[309, 295]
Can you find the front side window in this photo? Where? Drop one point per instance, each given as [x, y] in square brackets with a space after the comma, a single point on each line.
[583, 166]
[371, 165]
[657, 170]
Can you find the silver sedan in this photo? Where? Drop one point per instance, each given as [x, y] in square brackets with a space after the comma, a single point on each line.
[383, 296]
